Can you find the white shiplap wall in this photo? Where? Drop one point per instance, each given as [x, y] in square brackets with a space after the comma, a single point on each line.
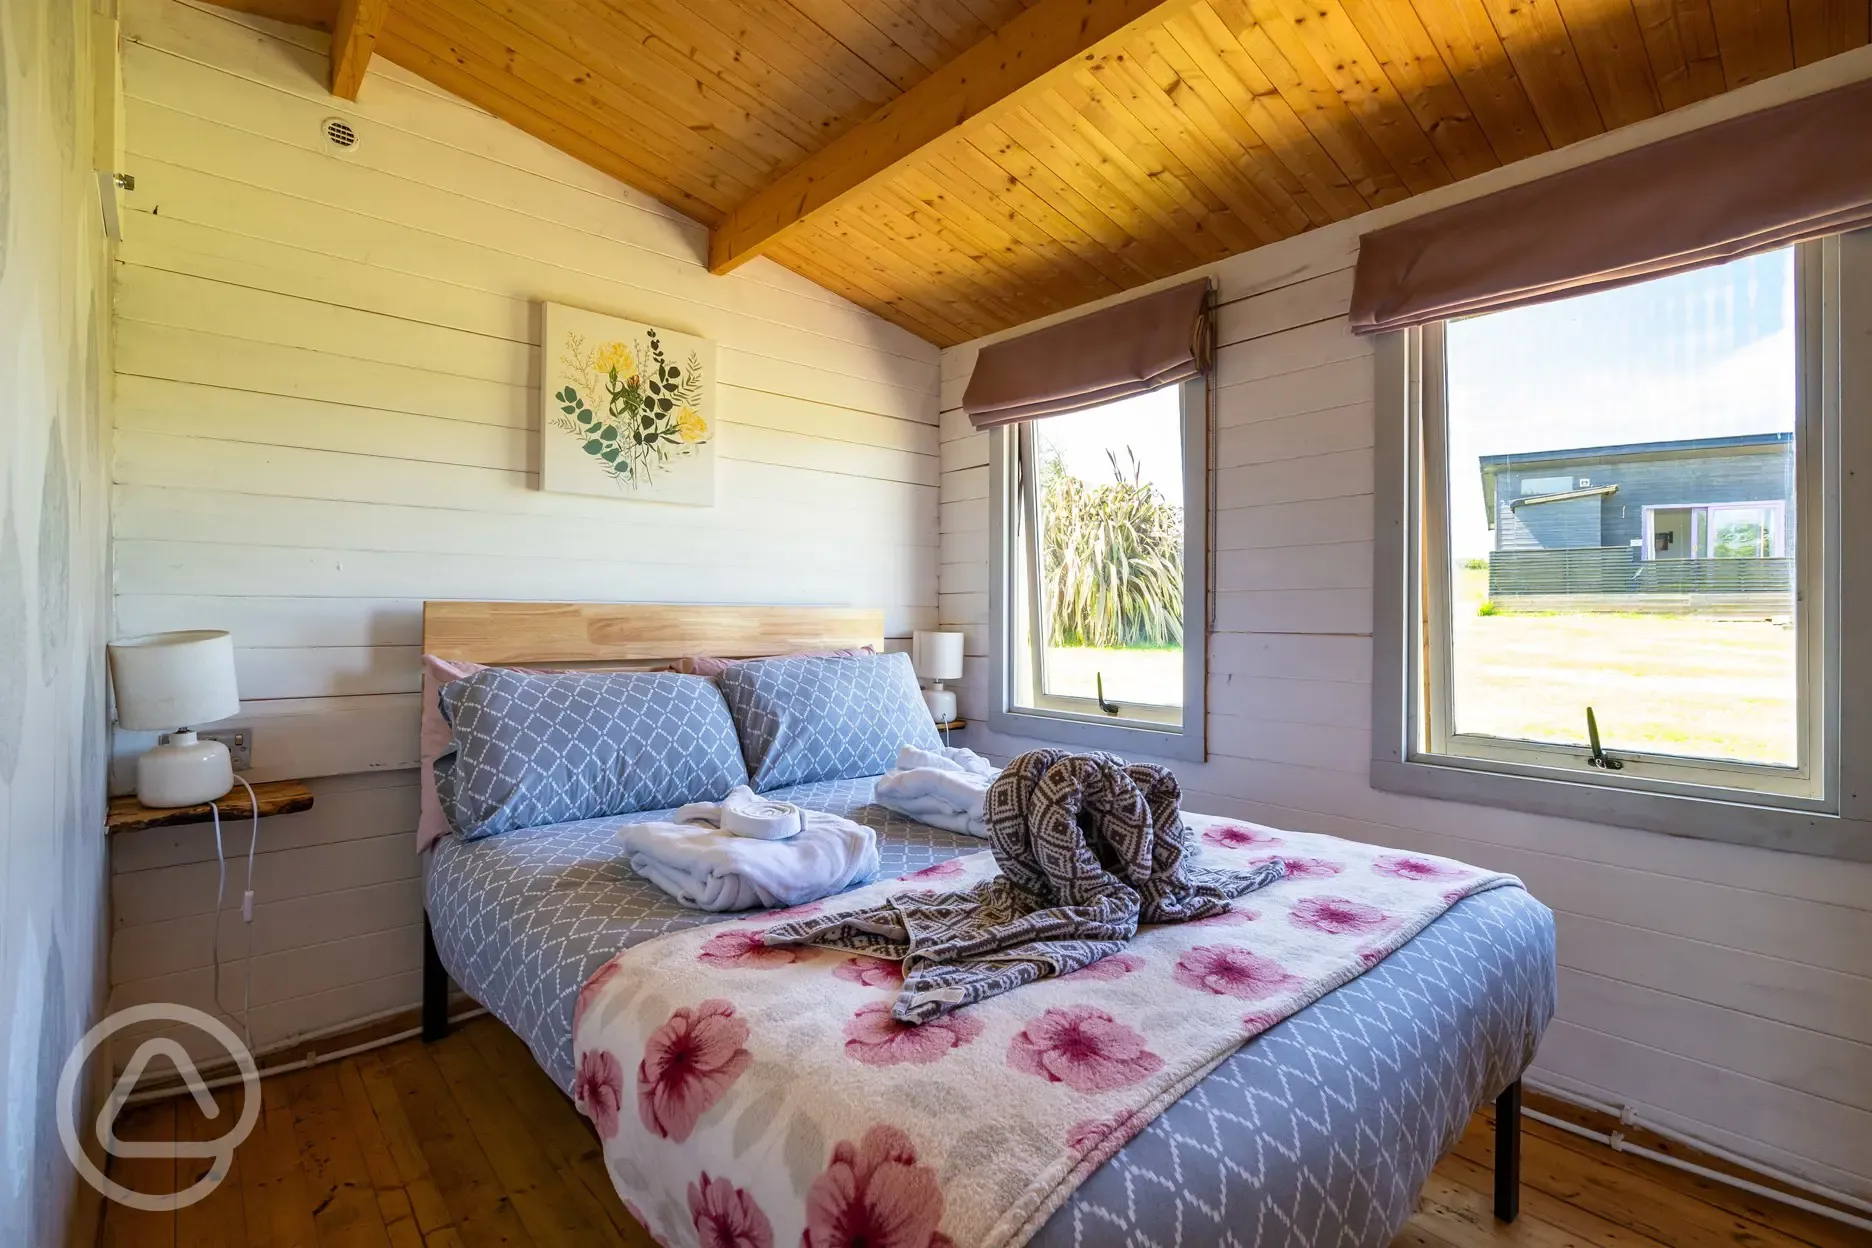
[326, 413]
[1727, 990]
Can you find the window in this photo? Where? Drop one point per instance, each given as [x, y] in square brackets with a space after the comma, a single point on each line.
[1626, 503]
[1100, 520]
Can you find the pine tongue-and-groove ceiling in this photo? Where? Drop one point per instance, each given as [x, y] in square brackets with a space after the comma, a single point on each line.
[960, 166]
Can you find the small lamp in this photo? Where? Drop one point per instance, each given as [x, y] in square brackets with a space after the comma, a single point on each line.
[937, 657]
[165, 682]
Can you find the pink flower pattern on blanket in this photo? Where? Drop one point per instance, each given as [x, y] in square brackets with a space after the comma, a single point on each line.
[743, 947]
[871, 972]
[1229, 971]
[600, 977]
[1238, 836]
[727, 1217]
[1084, 1048]
[873, 1037]
[874, 1193]
[1111, 966]
[793, 1110]
[948, 869]
[1403, 867]
[598, 1090]
[1302, 868]
[1337, 916]
[688, 1064]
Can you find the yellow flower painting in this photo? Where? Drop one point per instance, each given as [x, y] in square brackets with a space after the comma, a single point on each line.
[627, 409]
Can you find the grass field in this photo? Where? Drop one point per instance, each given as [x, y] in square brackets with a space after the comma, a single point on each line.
[1673, 684]
[1138, 676]
[1678, 684]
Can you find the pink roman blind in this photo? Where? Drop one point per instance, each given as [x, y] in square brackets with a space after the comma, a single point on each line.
[1746, 185]
[1157, 340]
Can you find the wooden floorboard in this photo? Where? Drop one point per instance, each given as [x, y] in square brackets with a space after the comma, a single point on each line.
[467, 1143]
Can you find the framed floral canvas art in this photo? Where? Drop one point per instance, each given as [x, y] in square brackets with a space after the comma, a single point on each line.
[627, 409]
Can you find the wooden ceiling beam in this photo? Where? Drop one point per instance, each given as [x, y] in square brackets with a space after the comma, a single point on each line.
[354, 38]
[981, 81]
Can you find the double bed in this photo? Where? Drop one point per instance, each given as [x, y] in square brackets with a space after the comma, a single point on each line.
[1321, 1130]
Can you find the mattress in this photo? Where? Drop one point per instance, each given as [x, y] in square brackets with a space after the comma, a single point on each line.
[1319, 1131]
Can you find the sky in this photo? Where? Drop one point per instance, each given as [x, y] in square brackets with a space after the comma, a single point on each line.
[1150, 425]
[1709, 353]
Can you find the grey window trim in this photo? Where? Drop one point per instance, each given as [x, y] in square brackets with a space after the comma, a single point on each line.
[1836, 824]
[1189, 742]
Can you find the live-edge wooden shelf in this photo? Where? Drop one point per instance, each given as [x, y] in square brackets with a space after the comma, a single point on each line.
[954, 725]
[277, 797]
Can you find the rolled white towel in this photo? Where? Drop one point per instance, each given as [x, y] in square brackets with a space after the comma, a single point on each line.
[745, 813]
[711, 869]
[945, 788]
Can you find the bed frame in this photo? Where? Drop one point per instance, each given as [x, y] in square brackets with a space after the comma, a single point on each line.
[623, 636]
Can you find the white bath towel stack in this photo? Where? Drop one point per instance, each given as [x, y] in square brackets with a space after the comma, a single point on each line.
[712, 869]
[945, 788]
[745, 813]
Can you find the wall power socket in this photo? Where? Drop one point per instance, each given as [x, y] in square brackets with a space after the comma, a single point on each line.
[239, 742]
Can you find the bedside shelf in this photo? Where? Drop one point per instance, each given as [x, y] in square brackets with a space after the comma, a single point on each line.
[278, 797]
[954, 725]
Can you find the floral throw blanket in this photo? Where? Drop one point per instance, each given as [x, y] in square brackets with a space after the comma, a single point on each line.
[749, 1095]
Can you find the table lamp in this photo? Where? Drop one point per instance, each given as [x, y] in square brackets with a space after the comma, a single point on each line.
[165, 682]
[937, 657]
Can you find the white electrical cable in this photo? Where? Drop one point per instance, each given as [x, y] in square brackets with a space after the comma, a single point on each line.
[1630, 1117]
[1617, 1142]
[306, 1063]
[247, 910]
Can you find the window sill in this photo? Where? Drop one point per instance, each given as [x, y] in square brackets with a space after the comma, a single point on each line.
[1734, 821]
[1122, 739]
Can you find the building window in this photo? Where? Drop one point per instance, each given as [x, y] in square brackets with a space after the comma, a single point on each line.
[1100, 521]
[1626, 502]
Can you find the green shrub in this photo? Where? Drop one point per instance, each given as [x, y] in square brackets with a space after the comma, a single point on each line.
[1112, 559]
[1475, 565]
[1489, 607]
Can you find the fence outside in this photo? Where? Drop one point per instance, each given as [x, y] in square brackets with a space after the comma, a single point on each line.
[1615, 578]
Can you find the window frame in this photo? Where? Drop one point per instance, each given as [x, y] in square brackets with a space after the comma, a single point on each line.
[1065, 723]
[1825, 805]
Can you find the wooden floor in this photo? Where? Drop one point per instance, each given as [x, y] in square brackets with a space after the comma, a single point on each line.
[468, 1143]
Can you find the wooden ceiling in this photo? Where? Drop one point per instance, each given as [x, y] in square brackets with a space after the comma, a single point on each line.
[960, 166]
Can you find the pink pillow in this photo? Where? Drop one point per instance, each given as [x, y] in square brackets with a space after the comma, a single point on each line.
[711, 667]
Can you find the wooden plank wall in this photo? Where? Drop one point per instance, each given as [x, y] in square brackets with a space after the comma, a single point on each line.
[1723, 988]
[326, 410]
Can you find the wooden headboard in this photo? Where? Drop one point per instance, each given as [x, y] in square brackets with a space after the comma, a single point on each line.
[507, 633]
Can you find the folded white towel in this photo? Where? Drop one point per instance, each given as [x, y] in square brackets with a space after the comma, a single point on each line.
[745, 813]
[711, 869]
[945, 788]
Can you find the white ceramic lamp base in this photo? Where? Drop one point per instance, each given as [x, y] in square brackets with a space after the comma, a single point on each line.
[941, 703]
[184, 771]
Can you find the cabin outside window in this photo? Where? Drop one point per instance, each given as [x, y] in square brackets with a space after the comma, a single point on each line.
[1610, 577]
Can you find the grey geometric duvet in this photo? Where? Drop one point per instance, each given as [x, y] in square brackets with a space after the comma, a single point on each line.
[1320, 1131]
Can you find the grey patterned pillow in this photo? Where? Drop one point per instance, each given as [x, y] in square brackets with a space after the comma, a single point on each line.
[803, 720]
[533, 748]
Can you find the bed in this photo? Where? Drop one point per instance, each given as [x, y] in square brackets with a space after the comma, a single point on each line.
[1320, 1130]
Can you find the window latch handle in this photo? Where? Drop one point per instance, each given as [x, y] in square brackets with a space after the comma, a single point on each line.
[1110, 708]
[1599, 757]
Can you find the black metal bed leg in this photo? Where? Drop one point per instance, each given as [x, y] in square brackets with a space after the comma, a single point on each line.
[435, 1018]
[1508, 1153]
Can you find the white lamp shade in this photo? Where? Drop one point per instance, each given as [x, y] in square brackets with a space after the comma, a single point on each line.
[167, 681]
[936, 656]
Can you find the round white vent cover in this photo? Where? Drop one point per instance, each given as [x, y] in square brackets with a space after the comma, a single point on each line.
[338, 133]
